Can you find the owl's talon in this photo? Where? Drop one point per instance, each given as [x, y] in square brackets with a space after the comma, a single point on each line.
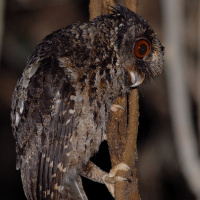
[115, 107]
[121, 166]
[111, 179]
[114, 179]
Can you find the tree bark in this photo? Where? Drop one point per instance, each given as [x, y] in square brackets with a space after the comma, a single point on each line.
[122, 128]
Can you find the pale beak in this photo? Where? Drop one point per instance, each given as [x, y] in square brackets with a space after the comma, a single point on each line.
[136, 79]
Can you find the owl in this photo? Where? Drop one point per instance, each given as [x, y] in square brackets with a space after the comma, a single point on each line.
[61, 103]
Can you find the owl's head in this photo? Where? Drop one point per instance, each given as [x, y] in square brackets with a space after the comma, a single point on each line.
[140, 51]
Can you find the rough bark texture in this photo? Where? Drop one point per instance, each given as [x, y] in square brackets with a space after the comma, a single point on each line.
[126, 190]
[122, 127]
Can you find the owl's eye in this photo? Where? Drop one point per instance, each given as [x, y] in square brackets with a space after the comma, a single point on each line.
[141, 48]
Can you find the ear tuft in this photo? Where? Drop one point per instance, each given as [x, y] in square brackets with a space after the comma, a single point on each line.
[123, 11]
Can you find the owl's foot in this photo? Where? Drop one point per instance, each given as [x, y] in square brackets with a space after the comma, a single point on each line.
[111, 178]
[115, 107]
[94, 173]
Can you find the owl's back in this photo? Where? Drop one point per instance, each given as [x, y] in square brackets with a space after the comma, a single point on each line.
[55, 131]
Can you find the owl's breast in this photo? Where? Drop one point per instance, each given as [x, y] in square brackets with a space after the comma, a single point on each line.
[89, 126]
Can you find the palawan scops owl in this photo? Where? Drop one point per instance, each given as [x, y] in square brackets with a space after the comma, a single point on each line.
[62, 101]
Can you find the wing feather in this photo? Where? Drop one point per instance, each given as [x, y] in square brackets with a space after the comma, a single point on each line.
[44, 129]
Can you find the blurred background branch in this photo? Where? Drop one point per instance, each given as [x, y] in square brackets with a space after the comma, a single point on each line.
[2, 9]
[198, 71]
[176, 60]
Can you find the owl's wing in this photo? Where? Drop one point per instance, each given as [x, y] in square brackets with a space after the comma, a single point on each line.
[42, 119]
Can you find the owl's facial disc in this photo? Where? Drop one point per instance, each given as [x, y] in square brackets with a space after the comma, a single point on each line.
[136, 79]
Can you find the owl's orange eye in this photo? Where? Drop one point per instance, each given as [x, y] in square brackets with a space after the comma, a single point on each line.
[141, 48]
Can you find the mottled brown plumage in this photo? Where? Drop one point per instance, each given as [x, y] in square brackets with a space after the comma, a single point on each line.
[61, 104]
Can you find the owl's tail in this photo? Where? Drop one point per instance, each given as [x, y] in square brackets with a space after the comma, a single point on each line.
[38, 183]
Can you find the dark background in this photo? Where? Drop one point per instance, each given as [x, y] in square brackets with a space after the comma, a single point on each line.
[26, 23]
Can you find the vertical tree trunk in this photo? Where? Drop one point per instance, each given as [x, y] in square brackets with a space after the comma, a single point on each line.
[122, 126]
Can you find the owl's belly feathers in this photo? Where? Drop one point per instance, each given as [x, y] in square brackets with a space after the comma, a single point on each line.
[89, 129]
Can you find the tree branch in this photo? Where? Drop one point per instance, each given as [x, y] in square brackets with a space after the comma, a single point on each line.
[122, 136]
